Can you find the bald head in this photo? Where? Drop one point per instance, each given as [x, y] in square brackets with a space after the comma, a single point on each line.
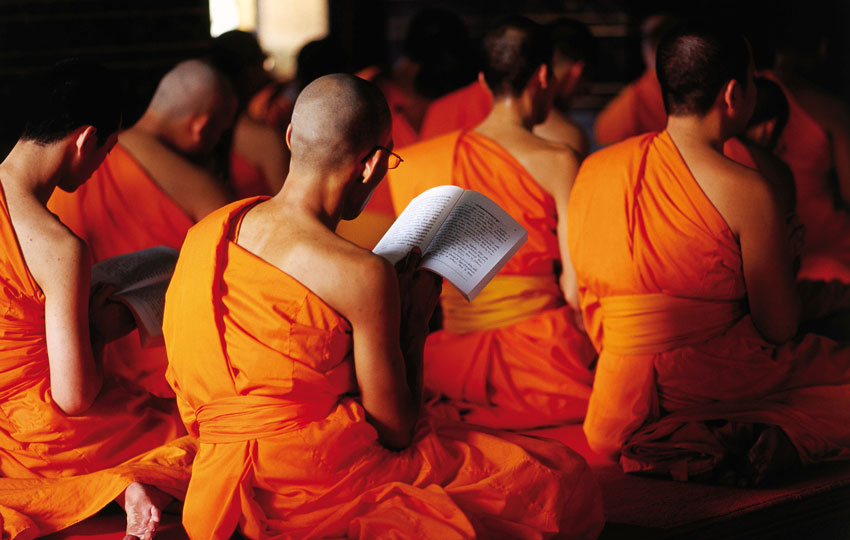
[694, 63]
[191, 88]
[336, 118]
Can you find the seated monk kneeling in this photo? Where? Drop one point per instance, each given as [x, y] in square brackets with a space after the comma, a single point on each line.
[688, 291]
[71, 439]
[296, 358]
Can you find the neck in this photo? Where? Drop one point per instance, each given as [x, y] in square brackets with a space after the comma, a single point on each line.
[510, 111]
[34, 169]
[317, 194]
[695, 130]
[156, 126]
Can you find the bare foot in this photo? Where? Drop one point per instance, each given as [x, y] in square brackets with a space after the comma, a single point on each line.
[143, 504]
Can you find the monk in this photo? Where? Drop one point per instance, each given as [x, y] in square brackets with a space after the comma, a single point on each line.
[573, 50]
[688, 292]
[638, 107]
[298, 365]
[71, 438]
[255, 151]
[148, 193]
[516, 357]
[816, 145]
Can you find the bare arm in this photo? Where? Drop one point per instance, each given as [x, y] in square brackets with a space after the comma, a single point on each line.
[63, 272]
[264, 146]
[374, 313]
[771, 289]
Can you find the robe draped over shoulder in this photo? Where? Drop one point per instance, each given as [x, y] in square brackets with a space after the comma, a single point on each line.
[264, 377]
[664, 300]
[57, 469]
[513, 358]
[120, 210]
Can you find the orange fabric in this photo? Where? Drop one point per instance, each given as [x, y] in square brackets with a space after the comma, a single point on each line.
[638, 108]
[38, 442]
[806, 148]
[641, 227]
[120, 210]
[527, 373]
[264, 375]
[246, 178]
[461, 109]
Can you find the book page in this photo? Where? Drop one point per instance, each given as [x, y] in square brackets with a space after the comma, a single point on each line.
[474, 243]
[418, 223]
[148, 306]
[136, 269]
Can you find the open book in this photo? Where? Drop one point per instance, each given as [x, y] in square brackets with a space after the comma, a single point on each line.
[142, 278]
[464, 236]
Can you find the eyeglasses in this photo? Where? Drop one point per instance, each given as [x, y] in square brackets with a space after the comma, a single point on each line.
[393, 161]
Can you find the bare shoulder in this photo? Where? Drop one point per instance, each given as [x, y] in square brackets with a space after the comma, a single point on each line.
[54, 255]
[553, 165]
[739, 193]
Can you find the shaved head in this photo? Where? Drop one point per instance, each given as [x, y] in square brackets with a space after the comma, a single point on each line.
[336, 118]
[191, 88]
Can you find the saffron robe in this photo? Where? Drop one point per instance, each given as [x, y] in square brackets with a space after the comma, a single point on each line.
[664, 301]
[52, 465]
[806, 148]
[513, 358]
[264, 377]
[638, 108]
[460, 109]
[120, 209]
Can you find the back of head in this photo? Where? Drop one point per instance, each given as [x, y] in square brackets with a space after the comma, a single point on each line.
[438, 41]
[69, 95]
[572, 40]
[239, 57]
[336, 118]
[319, 57]
[771, 104]
[695, 60]
[513, 51]
[192, 87]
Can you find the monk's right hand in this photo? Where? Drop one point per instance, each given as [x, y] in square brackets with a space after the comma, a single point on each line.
[108, 319]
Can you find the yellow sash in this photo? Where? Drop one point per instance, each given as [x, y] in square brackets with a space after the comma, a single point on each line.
[653, 323]
[504, 301]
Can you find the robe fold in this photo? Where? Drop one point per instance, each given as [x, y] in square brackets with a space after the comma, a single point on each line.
[120, 210]
[264, 377]
[807, 150]
[664, 300]
[514, 357]
[638, 108]
[52, 465]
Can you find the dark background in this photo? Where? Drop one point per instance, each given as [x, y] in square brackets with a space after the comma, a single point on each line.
[143, 39]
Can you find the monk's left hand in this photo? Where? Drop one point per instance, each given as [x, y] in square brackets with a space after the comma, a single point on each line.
[419, 291]
[108, 319]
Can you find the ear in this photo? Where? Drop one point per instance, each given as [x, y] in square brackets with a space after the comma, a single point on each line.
[483, 82]
[733, 95]
[197, 127]
[542, 76]
[369, 169]
[86, 140]
[288, 137]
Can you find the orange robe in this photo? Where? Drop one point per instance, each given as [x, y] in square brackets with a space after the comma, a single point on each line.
[41, 447]
[638, 108]
[246, 178]
[806, 148]
[463, 108]
[664, 300]
[264, 376]
[513, 358]
[120, 210]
